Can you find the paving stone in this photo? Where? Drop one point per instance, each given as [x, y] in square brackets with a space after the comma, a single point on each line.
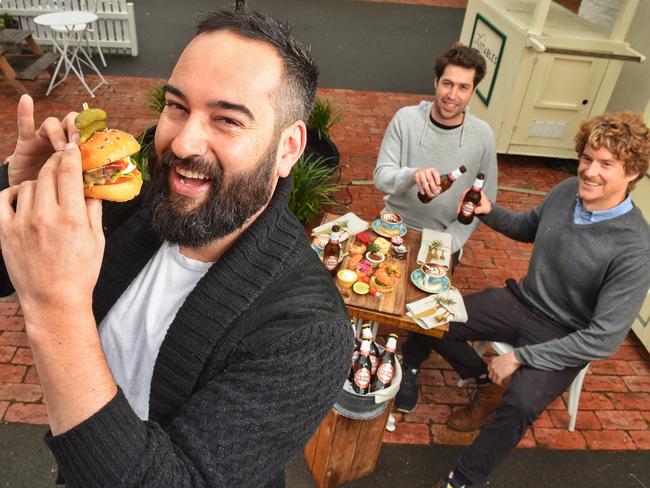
[27, 413]
[426, 414]
[604, 383]
[584, 421]
[559, 439]
[630, 401]
[605, 440]
[31, 378]
[544, 420]
[12, 323]
[593, 401]
[6, 353]
[640, 368]
[9, 308]
[527, 441]
[13, 339]
[622, 419]
[611, 366]
[406, 433]
[11, 373]
[3, 408]
[641, 438]
[637, 383]
[23, 356]
[20, 392]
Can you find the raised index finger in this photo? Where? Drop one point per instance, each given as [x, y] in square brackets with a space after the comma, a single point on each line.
[25, 112]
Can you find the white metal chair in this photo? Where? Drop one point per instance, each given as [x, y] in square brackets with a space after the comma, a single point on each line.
[575, 389]
[89, 31]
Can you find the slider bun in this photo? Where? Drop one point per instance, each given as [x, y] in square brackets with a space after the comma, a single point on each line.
[106, 146]
[117, 192]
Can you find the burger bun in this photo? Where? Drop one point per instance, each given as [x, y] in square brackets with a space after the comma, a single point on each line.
[106, 146]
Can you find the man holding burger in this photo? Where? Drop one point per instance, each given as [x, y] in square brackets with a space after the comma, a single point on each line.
[189, 337]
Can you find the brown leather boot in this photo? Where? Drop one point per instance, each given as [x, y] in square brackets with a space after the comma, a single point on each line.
[480, 410]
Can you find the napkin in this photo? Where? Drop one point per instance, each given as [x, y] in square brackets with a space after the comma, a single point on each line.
[432, 311]
[428, 236]
[354, 225]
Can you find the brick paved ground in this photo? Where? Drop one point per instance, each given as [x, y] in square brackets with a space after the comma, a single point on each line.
[615, 403]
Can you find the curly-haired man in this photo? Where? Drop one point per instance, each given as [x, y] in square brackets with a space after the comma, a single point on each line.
[588, 276]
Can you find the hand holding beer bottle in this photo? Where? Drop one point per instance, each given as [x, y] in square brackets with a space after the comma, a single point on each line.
[483, 205]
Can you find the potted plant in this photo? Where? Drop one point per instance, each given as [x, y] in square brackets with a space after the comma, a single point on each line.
[322, 118]
[311, 187]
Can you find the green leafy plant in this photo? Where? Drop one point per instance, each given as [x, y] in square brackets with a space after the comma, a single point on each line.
[7, 21]
[323, 117]
[312, 187]
[157, 98]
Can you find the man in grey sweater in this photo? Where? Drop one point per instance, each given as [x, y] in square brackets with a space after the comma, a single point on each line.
[425, 141]
[588, 276]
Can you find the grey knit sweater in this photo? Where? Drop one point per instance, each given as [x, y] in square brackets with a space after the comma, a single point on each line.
[250, 365]
[412, 141]
[590, 278]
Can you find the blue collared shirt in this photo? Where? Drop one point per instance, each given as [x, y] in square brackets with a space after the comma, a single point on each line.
[584, 217]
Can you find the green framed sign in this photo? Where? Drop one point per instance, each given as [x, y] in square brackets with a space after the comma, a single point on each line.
[491, 42]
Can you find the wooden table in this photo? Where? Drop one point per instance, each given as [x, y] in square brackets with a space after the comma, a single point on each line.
[389, 309]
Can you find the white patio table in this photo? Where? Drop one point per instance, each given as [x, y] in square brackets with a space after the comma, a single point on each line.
[70, 45]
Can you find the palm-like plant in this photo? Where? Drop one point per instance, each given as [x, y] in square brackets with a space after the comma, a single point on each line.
[323, 116]
[312, 187]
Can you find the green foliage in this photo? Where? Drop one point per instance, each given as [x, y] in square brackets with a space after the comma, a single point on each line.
[7, 21]
[312, 187]
[141, 158]
[157, 98]
[323, 116]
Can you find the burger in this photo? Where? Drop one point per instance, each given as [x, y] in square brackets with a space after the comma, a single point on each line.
[108, 172]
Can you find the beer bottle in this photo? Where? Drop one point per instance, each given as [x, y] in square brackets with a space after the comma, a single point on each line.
[445, 183]
[361, 383]
[355, 356]
[366, 333]
[386, 365]
[471, 201]
[332, 251]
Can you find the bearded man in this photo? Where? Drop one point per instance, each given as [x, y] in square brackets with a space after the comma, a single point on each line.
[199, 342]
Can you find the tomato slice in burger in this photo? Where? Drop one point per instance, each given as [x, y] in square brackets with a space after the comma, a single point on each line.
[123, 179]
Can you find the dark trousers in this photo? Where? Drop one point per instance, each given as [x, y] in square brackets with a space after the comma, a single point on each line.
[496, 314]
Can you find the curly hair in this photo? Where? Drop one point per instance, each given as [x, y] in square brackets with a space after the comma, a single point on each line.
[465, 57]
[624, 134]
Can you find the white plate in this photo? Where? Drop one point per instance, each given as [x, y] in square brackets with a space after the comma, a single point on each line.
[417, 278]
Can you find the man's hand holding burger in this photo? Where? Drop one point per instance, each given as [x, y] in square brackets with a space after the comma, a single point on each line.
[109, 173]
[34, 147]
[52, 244]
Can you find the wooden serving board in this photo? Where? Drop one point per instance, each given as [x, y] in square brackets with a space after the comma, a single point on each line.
[393, 302]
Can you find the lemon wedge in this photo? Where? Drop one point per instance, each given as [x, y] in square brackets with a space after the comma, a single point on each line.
[361, 288]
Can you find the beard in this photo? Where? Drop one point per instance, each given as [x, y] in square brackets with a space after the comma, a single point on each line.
[231, 202]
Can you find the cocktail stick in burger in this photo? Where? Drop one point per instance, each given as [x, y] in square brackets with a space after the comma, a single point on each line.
[108, 172]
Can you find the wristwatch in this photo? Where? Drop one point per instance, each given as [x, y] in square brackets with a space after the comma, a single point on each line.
[4, 173]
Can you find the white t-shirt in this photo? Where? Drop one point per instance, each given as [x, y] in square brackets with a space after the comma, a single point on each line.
[134, 328]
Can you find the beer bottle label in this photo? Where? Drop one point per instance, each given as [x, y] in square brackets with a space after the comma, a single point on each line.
[385, 373]
[331, 262]
[362, 378]
[468, 209]
[374, 360]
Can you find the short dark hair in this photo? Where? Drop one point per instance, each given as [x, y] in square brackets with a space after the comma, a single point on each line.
[300, 74]
[465, 57]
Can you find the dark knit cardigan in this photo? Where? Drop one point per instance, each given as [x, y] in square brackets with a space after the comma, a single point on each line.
[250, 365]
